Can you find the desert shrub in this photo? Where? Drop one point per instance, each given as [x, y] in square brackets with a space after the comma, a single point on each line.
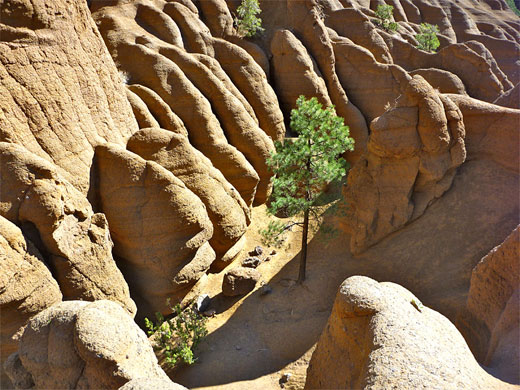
[427, 38]
[177, 337]
[247, 22]
[384, 17]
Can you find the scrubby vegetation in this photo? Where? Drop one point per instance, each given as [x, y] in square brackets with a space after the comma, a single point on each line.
[427, 38]
[303, 167]
[247, 22]
[177, 337]
[384, 13]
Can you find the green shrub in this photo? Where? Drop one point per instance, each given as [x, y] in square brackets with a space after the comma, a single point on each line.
[178, 336]
[248, 24]
[384, 18]
[427, 38]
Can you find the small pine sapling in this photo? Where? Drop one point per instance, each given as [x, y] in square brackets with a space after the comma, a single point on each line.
[384, 19]
[248, 23]
[427, 38]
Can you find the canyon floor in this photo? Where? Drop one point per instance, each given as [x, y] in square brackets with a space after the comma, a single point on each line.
[257, 338]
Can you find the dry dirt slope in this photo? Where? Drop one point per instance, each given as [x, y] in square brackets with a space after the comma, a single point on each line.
[254, 339]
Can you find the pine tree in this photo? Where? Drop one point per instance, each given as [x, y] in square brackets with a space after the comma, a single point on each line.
[304, 166]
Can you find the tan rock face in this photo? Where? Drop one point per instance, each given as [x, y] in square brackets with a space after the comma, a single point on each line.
[380, 336]
[491, 131]
[226, 209]
[382, 84]
[321, 50]
[510, 98]
[160, 228]
[203, 80]
[442, 80]
[354, 24]
[74, 239]
[81, 345]
[471, 64]
[59, 91]
[308, 24]
[26, 287]
[412, 155]
[490, 320]
[475, 37]
[295, 72]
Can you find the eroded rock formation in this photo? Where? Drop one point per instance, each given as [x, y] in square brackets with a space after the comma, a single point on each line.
[160, 227]
[226, 209]
[413, 152]
[147, 124]
[60, 93]
[82, 345]
[59, 219]
[193, 74]
[26, 287]
[490, 320]
[380, 336]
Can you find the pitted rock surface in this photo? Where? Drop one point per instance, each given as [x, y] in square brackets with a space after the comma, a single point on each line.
[380, 336]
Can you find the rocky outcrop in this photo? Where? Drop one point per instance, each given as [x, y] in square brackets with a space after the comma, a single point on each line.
[160, 228]
[473, 64]
[491, 23]
[353, 24]
[472, 55]
[81, 345]
[374, 94]
[510, 98]
[226, 209]
[490, 320]
[26, 288]
[491, 131]
[60, 221]
[239, 281]
[199, 117]
[295, 72]
[322, 50]
[308, 24]
[60, 92]
[442, 80]
[380, 336]
[413, 152]
[197, 76]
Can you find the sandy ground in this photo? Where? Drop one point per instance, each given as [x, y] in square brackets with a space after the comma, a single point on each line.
[254, 339]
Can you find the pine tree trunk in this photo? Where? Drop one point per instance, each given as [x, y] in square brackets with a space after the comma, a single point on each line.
[303, 258]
